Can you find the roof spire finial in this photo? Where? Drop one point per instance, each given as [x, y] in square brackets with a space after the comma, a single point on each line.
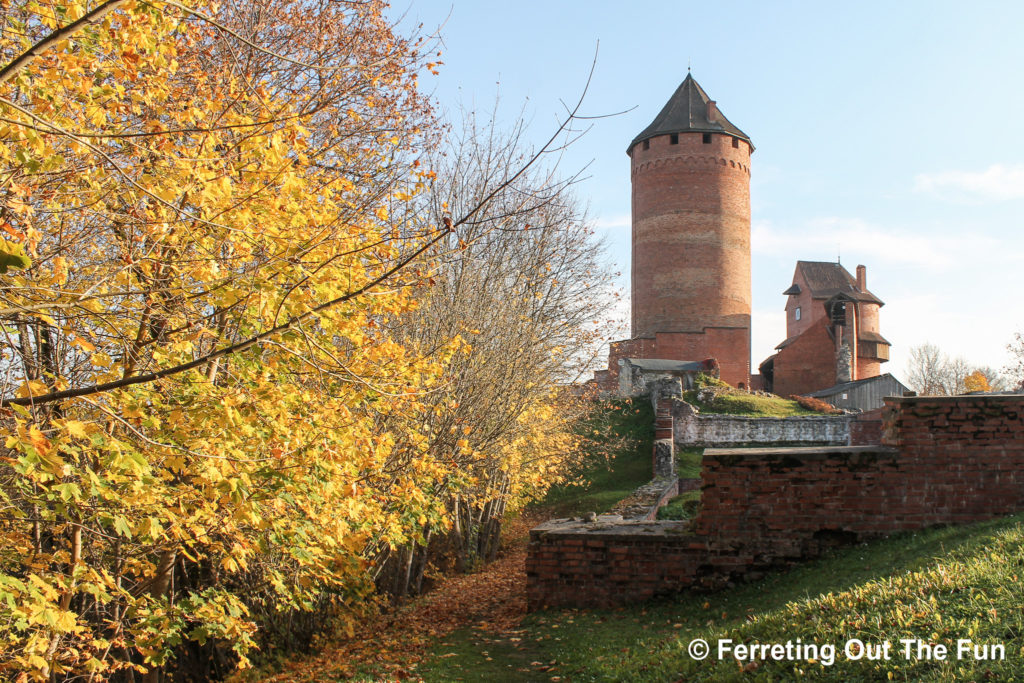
[687, 65]
[839, 253]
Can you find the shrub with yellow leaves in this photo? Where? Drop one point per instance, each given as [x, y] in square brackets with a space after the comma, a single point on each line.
[197, 265]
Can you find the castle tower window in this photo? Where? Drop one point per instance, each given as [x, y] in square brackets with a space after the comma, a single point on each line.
[797, 313]
[673, 139]
[736, 143]
[839, 313]
[647, 144]
[707, 138]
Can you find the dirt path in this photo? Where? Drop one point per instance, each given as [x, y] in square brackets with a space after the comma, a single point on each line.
[492, 600]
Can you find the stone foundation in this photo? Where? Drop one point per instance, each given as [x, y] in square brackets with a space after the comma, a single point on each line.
[690, 429]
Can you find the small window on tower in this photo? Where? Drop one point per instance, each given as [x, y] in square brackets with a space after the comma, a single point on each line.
[839, 313]
[647, 144]
[797, 312]
[673, 139]
[736, 143]
[707, 138]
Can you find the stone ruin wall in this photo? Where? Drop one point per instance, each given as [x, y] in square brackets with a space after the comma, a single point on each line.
[690, 428]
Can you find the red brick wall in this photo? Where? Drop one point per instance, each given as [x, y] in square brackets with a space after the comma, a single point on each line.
[962, 429]
[608, 380]
[866, 428]
[807, 364]
[867, 367]
[573, 568]
[948, 461]
[810, 310]
[691, 236]
[730, 347]
[869, 317]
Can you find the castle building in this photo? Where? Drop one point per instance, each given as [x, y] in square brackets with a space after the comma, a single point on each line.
[690, 174]
[832, 332]
[691, 292]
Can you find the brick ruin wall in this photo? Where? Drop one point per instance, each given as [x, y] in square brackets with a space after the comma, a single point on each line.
[943, 461]
[806, 364]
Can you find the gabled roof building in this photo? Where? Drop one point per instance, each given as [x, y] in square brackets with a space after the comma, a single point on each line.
[832, 332]
[862, 394]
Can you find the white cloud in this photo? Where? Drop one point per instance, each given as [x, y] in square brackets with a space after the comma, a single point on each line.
[827, 237]
[614, 222]
[997, 182]
[928, 278]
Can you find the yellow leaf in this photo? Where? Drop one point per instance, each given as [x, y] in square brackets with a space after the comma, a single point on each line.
[38, 440]
[76, 428]
[32, 388]
[83, 344]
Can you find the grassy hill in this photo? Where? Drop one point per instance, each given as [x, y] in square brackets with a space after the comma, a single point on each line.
[713, 396]
[938, 586]
[627, 427]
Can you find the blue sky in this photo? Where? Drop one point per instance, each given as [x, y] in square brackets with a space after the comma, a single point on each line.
[887, 132]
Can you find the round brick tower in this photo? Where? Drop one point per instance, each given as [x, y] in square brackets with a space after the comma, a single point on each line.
[691, 235]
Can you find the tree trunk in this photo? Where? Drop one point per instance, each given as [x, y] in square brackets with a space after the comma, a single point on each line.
[160, 583]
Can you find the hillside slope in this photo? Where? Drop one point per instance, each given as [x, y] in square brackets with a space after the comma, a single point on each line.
[937, 586]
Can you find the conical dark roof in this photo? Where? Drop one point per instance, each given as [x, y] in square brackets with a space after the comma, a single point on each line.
[687, 112]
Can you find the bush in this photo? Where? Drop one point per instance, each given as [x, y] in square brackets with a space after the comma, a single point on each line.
[684, 506]
[705, 380]
[816, 404]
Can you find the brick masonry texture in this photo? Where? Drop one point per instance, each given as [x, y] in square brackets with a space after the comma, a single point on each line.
[943, 461]
[691, 250]
[808, 364]
[691, 235]
[866, 428]
[729, 346]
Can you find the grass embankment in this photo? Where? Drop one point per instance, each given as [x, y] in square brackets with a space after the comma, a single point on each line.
[938, 586]
[724, 399]
[739, 402]
[616, 473]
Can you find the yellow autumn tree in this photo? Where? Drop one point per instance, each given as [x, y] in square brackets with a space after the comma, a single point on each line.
[976, 381]
[207, 420]
[524, 285]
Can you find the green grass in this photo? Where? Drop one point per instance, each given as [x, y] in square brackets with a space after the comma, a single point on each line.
[731, 401]
[614, 475]
[688, 462]
[937, 585]
[683, 506]
[737, 402]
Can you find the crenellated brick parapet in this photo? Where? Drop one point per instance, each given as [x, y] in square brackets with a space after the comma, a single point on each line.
[689, 160]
